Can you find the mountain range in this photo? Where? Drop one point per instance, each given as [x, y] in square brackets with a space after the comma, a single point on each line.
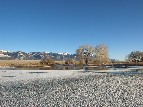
[8, 55]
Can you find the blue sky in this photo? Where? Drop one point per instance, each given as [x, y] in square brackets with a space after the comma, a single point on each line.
[64, 25]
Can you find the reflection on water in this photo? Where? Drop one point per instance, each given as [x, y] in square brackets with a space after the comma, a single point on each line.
[127, 72]
[59, 67]
[37, 72]
[7, 68]
[118, 71]
[56, 67]
[69, 67]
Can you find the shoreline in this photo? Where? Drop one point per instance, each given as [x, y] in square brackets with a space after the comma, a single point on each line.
[22, 75]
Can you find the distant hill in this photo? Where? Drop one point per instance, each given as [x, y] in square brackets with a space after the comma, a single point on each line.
[7, 55]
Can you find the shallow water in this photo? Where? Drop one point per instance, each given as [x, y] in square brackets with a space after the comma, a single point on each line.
[58, 67]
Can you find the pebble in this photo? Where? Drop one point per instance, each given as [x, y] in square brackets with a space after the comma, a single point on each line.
[80, 91]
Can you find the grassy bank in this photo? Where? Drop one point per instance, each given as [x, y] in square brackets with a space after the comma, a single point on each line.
[19, 62]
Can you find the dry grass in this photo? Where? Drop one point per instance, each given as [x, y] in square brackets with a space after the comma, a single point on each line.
[25, 62]
[19, 62]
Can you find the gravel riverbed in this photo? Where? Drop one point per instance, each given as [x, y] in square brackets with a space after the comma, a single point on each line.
[91, 90]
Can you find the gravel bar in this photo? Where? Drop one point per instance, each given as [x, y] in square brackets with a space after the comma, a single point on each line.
[84, 89]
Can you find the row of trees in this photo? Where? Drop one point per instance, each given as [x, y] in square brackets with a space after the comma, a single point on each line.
[86, 53]
[49, 61]
[98, 54]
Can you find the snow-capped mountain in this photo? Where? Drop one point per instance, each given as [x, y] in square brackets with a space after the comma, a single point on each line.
[7, 55]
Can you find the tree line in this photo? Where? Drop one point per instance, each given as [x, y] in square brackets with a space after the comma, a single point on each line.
[98, 55]
[86, 54]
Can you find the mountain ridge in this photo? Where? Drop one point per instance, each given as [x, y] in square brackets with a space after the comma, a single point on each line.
[9, 55]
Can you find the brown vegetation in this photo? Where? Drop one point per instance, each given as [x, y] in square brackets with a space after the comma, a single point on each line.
[69, 61]
[102, 54]
[15, 63]
[98, 55]
[47, 62]
[84, 54]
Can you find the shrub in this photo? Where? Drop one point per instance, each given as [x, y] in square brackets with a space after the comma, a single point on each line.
[48, 61]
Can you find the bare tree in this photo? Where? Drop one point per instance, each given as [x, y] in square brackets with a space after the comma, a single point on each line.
[84, 53]
[135, 56]
[69, 61]
[102, 54]
[48, 61]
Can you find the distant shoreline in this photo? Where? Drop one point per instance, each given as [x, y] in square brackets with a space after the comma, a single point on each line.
[36, 63]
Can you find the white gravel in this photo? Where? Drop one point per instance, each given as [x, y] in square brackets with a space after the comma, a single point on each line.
[78, 88]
